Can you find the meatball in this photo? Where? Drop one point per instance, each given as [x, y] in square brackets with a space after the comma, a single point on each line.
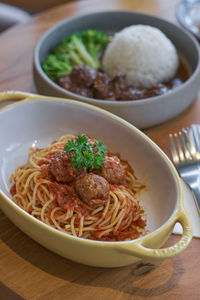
[46, 172]
[92, 186]
[62, 169]
[112, 170]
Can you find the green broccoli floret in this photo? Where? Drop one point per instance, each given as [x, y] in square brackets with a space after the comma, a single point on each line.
[80, 48]
[56, 66]
[95, 42]
[87, 45]
[66, 46]
[83, 53]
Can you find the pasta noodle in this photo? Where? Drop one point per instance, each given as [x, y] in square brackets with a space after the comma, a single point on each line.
[35, 190]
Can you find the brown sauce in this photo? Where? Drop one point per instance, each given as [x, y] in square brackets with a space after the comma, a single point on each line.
[87, 82]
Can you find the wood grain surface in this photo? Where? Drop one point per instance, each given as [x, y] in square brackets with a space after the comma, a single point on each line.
[29, 271]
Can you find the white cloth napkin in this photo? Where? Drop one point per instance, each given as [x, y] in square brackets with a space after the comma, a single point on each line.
[192, 211]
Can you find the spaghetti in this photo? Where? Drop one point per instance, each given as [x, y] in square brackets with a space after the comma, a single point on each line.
[116, 216]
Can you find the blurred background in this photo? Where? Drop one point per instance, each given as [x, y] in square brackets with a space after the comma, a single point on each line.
[19, 11]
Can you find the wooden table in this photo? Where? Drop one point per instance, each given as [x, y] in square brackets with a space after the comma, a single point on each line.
[28, 270]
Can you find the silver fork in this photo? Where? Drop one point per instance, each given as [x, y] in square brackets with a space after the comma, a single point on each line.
[185, 153]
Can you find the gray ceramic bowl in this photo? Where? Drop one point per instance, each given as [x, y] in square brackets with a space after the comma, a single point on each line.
[142, 113]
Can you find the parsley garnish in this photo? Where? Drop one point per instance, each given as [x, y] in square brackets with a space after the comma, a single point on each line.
[85, 155]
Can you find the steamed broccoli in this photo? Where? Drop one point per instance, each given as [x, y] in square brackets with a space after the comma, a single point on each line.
[56, 66]
[95, 42]
[76, 49]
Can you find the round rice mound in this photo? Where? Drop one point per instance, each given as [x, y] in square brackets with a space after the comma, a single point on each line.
[143, 53]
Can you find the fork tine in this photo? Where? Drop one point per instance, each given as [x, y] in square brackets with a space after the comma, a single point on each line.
[176, 151]
[195, 132]
[174, 154]
[179, 146]
[188, 146]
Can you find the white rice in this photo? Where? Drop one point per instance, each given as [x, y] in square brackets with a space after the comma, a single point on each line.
[144, 53]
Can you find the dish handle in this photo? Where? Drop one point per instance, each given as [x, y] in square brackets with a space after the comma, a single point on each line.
[139, 250]
[18, 96]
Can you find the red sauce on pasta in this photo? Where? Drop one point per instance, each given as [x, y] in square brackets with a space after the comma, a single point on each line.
[98, 204]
